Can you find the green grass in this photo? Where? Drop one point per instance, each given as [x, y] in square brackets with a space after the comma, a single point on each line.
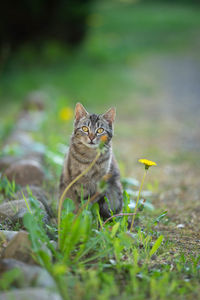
[105, 261]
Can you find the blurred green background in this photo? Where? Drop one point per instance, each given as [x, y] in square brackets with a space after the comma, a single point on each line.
[140, 56]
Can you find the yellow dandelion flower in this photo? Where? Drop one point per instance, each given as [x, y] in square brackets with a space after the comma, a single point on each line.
[66, 114]
[104, 138]
[147, 163]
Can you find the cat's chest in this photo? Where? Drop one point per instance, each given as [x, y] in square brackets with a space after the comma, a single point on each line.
[89, 182]
[98, 170]
[78, 161]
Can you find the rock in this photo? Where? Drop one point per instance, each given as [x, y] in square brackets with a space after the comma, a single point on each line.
[6, 162]
[38, 194]
[3, 216]
[180, 226]
[11, 208]
[35, 152]
[25, 172]
[32, 275]
[35, 155]
[22, 146]
[20, 138]
[35, 191]
[13, 212]
[30, 294]
[35, 101]
[4, 239]
[30, 121]
[18, 217]
[19, 248]
[7, 235]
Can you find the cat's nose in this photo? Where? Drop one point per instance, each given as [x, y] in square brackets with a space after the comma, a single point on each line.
[91, 136]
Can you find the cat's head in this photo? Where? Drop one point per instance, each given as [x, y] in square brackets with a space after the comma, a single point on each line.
[89, 128]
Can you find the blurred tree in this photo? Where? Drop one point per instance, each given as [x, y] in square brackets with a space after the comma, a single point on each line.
[37, 20]
[176, 1]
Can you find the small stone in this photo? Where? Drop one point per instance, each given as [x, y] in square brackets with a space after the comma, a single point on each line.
[34, 155]
[36, 152]
[32, 275]
[19, 248]
[6, 162]
[25, 172]
[35, 100]
[18, 217]
[7, 235]
[12, 213]
[180, 226]
[30, 294]
[9, 209]
[36, 192]
[30, 121]
[20, 138]
[3, 216]
[22, 146]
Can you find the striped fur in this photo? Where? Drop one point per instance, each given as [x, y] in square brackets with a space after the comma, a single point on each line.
[82, 151]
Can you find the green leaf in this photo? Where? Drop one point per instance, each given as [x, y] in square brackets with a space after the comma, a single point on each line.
[9, 277]
[159, 218]
[46, 259]
[68, 206]
[126, 200]
[59, 269]
[156, 245]
[32, 227]
[114, 229]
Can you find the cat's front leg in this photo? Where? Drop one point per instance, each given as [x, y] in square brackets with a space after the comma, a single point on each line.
[114, 197]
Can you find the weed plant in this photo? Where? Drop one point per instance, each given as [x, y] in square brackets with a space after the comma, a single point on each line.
[107, 262]
[96, 260]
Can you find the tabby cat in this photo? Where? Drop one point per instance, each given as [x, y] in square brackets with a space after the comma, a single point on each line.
[85, 139]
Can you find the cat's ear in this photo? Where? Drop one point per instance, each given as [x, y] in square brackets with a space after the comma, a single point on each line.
[80, 111]
[109, 116]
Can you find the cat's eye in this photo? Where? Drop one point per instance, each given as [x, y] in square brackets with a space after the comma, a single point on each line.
[85, 129]
[100, 130]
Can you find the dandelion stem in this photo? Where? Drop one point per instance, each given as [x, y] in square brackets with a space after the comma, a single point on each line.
[138, 197]
[68, 187]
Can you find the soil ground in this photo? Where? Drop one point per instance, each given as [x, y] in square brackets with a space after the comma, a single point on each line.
[167, 125]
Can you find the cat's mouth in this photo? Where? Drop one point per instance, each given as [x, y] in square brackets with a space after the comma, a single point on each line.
[90, 144]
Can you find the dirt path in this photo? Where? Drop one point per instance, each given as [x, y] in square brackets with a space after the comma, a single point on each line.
[170, 111]
[164, 125]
